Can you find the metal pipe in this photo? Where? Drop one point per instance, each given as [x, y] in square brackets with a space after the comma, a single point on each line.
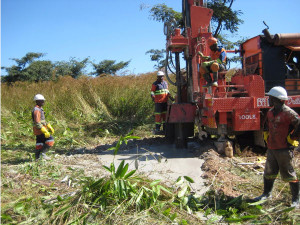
[287, 39]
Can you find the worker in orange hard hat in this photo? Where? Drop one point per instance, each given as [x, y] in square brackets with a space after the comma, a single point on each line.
[214, 63]
[41, 129]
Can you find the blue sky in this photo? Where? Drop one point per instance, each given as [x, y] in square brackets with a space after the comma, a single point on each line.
[117, 30]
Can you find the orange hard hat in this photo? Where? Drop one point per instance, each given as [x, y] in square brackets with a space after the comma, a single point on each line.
[211, 41]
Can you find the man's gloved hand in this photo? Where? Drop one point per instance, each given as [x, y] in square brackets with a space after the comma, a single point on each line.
[266, 135]
[294, 143]
[45, 132]
[50, 128]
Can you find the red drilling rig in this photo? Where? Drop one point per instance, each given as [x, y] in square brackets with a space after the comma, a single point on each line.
[239, 103]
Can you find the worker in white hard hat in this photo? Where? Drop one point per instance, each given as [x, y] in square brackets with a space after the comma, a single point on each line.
[41, 129]
[160, 94]
[280, 121]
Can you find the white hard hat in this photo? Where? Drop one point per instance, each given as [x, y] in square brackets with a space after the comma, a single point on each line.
[278, 92]
[160, 73]
[38, 97]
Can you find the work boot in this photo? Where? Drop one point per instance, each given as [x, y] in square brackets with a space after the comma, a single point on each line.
[268, 186]
[157, 129]
[295, 194]
[215, 82]
[208, 79]
[37, 154]
[43, 152]
[164, 127]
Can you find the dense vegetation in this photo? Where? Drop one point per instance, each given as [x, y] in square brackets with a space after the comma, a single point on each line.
[80, 109]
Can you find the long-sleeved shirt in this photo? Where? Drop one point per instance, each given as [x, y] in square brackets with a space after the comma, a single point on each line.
[160, 91]
[38, 119]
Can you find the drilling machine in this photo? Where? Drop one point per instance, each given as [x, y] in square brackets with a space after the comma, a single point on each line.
[239, 103]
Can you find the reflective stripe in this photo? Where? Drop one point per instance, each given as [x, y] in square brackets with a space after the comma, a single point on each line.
[163, 91]
[39, 146]
[50, 143]
[270, 177]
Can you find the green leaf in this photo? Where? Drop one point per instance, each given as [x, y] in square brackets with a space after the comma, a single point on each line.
[237, 199]
[182, 192]
[108, 169]
[154, 183]
[189, 179]
[221, 212]
[62, 210]
[96, 184]
[167, 212]
[112, 168]
[248, 217]
[258, 203]
[111, 148]
[129, 174]
[5, 217]
[233, 220]
[80, 218]
[59, 198]
[124, 170]
[287, 209]
[139, 197]
[179, 181]
[173, 216]
[120, 168]
[164, 189]
[132, 137]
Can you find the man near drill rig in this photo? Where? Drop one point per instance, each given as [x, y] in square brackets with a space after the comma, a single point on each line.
[41, 129]
[280, 120]
[160, 95]
[213, 63]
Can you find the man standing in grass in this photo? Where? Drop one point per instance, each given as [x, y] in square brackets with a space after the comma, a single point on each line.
[41, 129]
[281, 120]
[160, 95]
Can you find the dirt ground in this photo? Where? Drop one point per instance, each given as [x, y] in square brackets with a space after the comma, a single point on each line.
[157, 159]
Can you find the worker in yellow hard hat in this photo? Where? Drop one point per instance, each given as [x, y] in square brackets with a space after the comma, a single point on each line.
[41, 129]
[214, 63]
[280, 120]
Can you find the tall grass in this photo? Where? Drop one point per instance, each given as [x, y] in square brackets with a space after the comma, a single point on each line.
[84, 107]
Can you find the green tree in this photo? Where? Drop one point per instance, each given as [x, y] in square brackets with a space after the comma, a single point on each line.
[39, 71]
[108, 67]
[73, 68]
[157, 56]
[26, 68]
[163, 13]
[224, 18]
